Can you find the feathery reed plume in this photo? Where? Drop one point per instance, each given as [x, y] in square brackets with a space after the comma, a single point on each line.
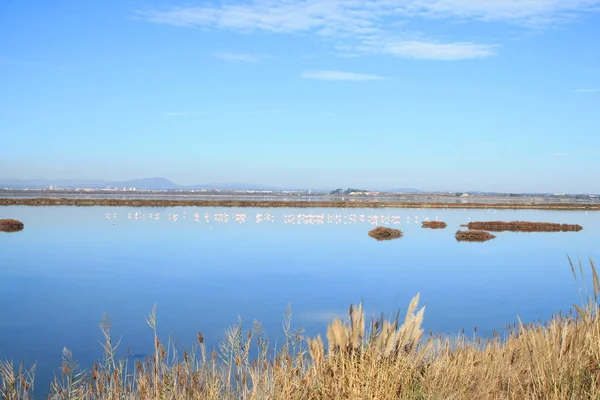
[16, 384]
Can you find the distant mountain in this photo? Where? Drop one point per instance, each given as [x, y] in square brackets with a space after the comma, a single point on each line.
[141, 184]
[232, 186]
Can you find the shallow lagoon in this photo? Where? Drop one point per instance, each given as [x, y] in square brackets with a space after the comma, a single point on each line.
[207, 267]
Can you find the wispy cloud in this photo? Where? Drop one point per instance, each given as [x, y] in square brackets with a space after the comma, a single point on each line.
[591, 90]
[329, 75]
[560, 154]
[238, 57]
[430, 50]
[372, 26]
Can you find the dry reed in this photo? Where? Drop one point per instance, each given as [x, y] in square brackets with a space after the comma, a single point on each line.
[359, 359]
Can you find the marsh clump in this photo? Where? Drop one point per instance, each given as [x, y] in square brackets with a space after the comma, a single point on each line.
[474, 236]
[11, 225]
[523, 226]
[384, 233]
[434, 224]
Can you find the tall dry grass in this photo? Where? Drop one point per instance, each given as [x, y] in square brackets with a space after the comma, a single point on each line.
[358, 359]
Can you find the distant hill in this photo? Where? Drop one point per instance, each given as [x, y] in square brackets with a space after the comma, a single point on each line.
[142, 184]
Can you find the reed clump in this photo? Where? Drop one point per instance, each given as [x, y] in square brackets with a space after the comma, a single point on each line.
[434, 224]
[523, 226]
[385, 233]
[473, 236]
[360, 358]
[11, 225]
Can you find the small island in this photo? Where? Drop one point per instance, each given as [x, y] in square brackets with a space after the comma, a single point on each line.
[11, 225]
[523, 226]
[473, 236]
[384, 233]
[434, 224]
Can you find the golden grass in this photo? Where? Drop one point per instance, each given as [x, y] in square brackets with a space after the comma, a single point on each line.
[358, 359]
[384, 233]
[523, 226]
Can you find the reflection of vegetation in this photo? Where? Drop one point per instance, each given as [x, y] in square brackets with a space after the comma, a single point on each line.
[523, 226]
[10, 225]
[434, 224]
[285, 203]
[358, 359]
[473, 236]
[384, 233]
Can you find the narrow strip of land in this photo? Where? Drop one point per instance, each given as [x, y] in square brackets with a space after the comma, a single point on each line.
[285, 204]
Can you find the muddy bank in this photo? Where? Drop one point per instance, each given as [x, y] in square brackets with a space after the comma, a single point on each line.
[281, 203]
[11, 225]
[523, 226]
[434, 225]
[383, 233]
[473, 236]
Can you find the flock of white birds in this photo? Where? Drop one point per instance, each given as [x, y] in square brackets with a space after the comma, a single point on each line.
[288, 219]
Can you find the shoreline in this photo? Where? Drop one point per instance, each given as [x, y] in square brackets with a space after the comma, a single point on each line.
[74, 202]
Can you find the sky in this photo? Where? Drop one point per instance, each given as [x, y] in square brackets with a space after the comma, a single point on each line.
[496, 95]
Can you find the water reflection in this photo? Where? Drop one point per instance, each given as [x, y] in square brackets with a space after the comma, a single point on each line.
[204, 267]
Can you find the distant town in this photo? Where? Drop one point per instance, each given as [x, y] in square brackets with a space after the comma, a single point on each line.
[409, 195]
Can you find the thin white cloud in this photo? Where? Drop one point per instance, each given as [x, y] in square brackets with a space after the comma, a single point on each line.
[560, 154]
[591, 90]
[238, 57]
[430, 50]
[527, 12]
[329, 75]
[374, 26]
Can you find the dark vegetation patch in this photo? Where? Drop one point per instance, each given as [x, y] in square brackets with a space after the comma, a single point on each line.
[434, 224]
[384, 233]
[523, 226]
[473, 236]
[11, 225]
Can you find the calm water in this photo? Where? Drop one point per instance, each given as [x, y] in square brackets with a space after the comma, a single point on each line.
[204, 267]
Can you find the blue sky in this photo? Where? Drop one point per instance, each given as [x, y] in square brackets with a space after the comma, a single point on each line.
[499, 95]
